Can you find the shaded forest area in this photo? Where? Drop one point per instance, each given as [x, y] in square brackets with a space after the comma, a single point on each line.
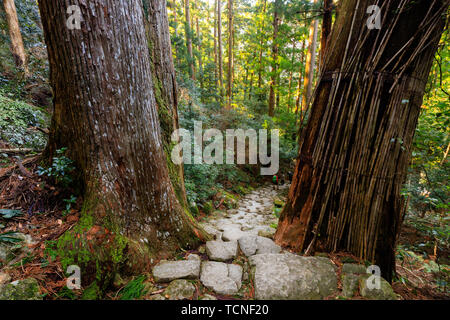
[364, 157]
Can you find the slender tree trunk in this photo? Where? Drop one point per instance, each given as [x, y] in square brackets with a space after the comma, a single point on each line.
[326, 29]
[273, 77]
[164, 86]
[261, 32]
[199, 48]
[216, 80]
[310, 64]
[353, 156]
[175, 31]
[107, 118]
[300, 75]
[219, 40]
[17, 48]
[230, 54]
[291, 72]
[189, 40]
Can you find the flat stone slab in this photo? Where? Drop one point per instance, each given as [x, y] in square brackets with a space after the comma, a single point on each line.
[166, 271]
[221, 278]
[251, 245]
[291, 277]
[233, 234]
[221, 251]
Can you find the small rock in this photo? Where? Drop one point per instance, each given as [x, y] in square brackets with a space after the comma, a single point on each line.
[385, 292]
[4, 278]
[267, 233]
[208, 297]
[166, 271]
[194, 257]
[27, 289]
[157, 297]
[251, 245]
[349, 285]
[232, 234]
[179, 290]
[353, 268]
[221, 251]
[220, 277]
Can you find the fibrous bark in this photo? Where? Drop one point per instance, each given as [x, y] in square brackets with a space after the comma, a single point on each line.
[345, 193]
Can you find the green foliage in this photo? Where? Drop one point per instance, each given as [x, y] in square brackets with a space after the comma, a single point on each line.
[60, 171]
[16, 120]
[8, 237]
[134, 289]
[9, 213]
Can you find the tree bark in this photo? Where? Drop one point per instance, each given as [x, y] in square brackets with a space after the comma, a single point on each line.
[105, 113]
[17, 48]
[164, 86]
[353, 156]
[326, 29]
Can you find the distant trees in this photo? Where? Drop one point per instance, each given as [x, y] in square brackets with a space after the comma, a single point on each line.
[354, 151]
[17, 48]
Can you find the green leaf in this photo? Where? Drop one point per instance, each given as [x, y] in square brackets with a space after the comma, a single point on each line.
[9, 213]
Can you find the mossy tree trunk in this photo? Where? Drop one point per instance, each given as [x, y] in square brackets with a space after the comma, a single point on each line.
[354, 152]
[105, 113]
[164, 85]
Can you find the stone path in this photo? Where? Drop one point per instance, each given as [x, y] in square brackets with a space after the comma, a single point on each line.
[242, 250]
[276, 274]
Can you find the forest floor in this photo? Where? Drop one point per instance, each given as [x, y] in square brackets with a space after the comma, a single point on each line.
[38, 210]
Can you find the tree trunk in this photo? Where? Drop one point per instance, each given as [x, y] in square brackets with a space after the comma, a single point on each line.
[326, 29]
[291, 72]
[300, 75]
[230, 54]
[273, 77]
[260, 67]
[353, 156]
[164, 86]
[219, 40]
[216, 80]
[189, 40]
[199, 48]
[105, 113]
[17, 48]
[310, 65]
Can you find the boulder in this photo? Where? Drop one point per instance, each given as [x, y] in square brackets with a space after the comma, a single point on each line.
[27, 289]
[179, 290]
[384, 292]
[166, 271]
[291, 277]
[221, 278]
